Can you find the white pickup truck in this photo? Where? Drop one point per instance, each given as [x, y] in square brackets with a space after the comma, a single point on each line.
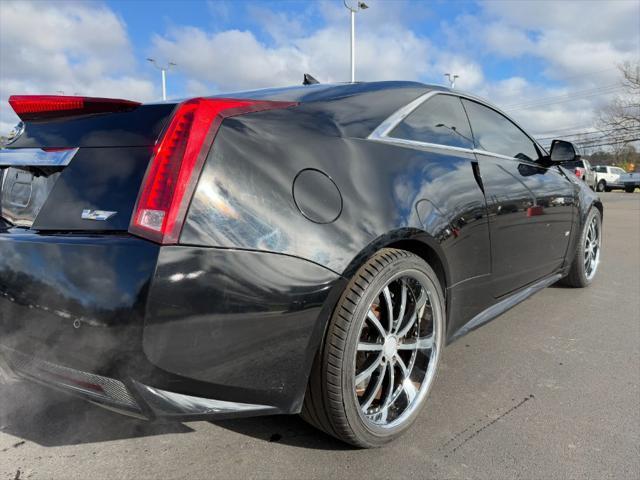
[608, 178]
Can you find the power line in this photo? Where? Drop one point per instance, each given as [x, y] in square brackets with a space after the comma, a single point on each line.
[608, 144]
[577, 127]
[568, 99]
[563, 95]
[577, 134]
[611, 141]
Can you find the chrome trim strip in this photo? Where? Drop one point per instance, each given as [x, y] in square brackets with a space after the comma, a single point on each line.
[390, 123]
[381, 133]
[420, 145]
[36, 157]
[496, 155]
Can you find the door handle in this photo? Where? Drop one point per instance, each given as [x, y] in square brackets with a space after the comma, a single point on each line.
[476, 174]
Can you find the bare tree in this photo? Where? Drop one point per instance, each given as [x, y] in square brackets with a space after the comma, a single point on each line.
[622, 116]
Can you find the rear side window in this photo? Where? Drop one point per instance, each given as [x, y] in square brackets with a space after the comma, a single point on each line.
[601, 169]
[440, 120]
[495, 133]
[573, 164]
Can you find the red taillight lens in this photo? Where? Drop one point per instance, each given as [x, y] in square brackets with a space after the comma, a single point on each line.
[36, 107]
[177, 162]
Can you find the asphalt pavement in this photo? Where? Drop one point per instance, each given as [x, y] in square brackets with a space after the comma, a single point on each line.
[549, 390]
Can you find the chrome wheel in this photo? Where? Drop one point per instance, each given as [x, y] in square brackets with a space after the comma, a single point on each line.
[592, 248]
[397, 351]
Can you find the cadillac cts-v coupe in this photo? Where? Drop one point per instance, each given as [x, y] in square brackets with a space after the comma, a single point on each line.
[297, 250]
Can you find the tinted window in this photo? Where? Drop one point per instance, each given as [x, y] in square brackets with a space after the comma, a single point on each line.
[601, 169]
[497, 134]
[573, 164]
[439, 120]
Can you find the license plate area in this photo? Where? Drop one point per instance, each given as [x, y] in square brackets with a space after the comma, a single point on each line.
[23, 192]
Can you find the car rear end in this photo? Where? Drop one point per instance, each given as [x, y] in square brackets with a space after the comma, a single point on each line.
[93, 196]
[73, 281]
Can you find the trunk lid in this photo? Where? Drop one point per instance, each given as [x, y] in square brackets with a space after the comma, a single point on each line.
[80, 172]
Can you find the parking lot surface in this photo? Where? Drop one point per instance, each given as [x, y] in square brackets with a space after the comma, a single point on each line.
[551, 389]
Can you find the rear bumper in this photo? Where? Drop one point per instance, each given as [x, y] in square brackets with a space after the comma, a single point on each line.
[172, 332]
[131, 398]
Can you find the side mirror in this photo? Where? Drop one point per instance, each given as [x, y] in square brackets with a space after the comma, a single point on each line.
[562, 151]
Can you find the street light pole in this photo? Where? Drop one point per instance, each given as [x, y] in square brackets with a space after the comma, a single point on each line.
[353, 10]
[452, 79]
[163, 70]
[164, 83]
[353, 46]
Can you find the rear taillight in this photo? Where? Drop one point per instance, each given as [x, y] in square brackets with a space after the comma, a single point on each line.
[177, 162]
[37, 107]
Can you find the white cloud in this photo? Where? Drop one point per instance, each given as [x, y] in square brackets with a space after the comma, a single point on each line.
[71, 47]
[84, 48]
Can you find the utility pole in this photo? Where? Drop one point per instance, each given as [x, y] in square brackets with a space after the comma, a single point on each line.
[359, 6]
[452, 79]
[163, 69]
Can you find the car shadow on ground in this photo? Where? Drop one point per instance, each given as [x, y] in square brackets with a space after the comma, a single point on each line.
[31, 412]
[285, 429]
[49, 418]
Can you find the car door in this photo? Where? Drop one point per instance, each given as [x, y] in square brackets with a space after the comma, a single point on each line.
[449, 200]
[531, 207]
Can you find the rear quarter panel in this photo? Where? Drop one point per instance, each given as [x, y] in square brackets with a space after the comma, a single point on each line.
[245, 197]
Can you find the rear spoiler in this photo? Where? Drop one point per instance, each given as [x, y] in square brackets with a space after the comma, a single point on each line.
[36, 157]
[37, 107]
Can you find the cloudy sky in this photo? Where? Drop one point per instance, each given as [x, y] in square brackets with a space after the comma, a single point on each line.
[550, 64]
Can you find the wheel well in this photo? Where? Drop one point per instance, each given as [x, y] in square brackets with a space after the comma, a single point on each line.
[598, 205]
[428, 254]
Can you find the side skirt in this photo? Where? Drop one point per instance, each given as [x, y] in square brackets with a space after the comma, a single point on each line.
[504, 305]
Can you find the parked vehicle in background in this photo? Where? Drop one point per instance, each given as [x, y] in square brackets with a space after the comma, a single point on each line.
[608, 178]
[631, 181]
[582, 169]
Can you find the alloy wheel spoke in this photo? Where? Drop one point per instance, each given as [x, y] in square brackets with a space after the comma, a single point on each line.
[387, 299]
[376, 388]
[417, 344]
[369, 347]
[403, 306]
[403, 366]
[420, 304]
[367, 372]
[376, 323]
[390, 386]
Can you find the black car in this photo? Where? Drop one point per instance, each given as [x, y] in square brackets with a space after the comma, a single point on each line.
[296, 250]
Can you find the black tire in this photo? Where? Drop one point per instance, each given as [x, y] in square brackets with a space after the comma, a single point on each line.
[330, 402]
[578, 276]
[602, 186]
[629, 189]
